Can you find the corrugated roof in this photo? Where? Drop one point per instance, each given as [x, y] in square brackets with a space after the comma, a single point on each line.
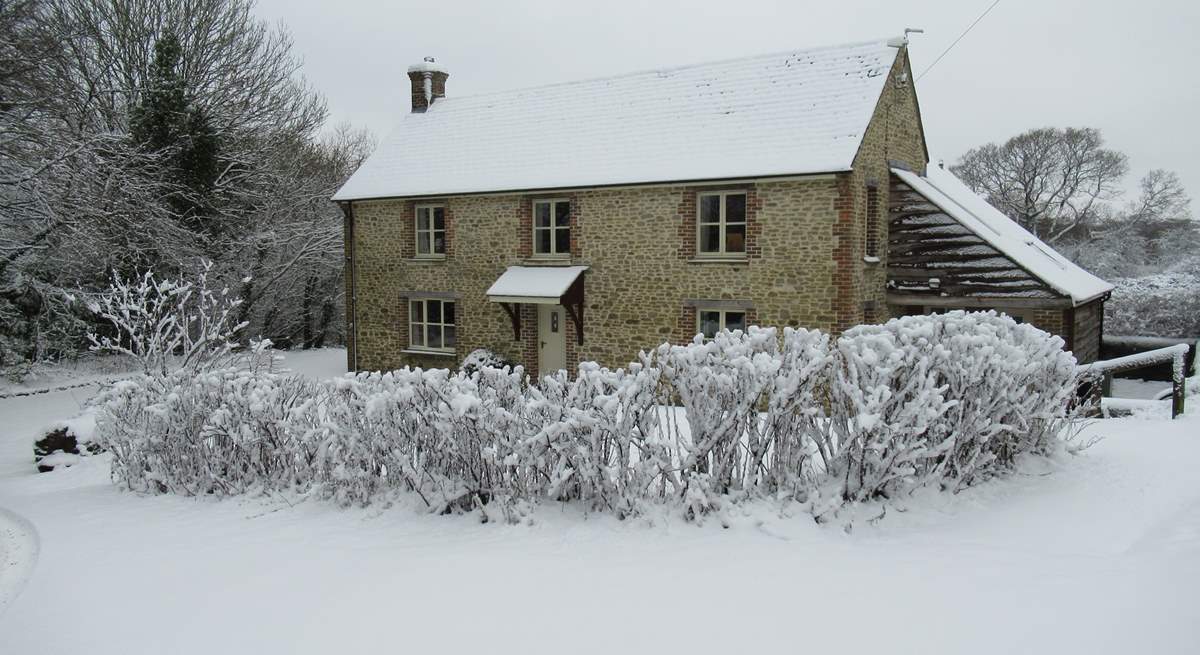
[789, 113]
[946, 191]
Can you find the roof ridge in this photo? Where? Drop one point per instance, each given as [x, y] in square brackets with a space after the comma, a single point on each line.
[668, 69]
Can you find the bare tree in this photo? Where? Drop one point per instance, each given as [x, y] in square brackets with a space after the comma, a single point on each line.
[1056, 182]
[84, 193]
[1162, 198]
[294, 252]
[1153, 233]
[74, 202]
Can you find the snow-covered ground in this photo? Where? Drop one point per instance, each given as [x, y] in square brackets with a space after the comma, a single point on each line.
[1137, 388]
[87, 370]
[1098, 553]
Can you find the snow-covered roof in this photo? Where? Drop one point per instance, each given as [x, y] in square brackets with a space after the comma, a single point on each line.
[943, 189]
[427, 67]
[533, 284]
[788, 113]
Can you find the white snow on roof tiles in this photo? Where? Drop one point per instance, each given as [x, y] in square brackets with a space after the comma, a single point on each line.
[790, 113]
[946, 191]
[535, 281]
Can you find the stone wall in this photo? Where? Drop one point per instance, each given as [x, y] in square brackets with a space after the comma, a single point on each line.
[895, 135]
[642, 287]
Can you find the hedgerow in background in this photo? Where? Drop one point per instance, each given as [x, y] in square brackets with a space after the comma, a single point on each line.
[1161, 305]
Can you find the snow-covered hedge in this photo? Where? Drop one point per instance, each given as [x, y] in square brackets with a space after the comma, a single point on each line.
[945, 400]
[1162, 305]
[222, 432]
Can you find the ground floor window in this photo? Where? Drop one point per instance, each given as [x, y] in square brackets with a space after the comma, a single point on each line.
[711, 321]
[431, 324]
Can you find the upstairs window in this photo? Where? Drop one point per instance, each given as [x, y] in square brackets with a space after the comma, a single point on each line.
[552, 228]
[721, 223]
[711, 321]
[431, 231]
[431, 324]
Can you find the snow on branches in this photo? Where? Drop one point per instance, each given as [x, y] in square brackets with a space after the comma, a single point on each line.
[948, 399]
[943, 401]
[168, 323]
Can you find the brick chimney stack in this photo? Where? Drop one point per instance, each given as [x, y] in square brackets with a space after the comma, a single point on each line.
[428, 81]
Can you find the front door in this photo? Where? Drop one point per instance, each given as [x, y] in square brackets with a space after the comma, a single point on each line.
[552, 341]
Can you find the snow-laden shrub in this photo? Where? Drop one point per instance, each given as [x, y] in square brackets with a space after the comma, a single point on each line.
[468, 437]
[217, 432]
[796, 428]
[885, 399]
[947, 399]
[168, 323]
[430, 432]
[1012, 384]
[482, 358]
[598, 439]
[722, 383]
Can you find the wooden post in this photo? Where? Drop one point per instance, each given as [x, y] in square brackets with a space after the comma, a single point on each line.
[1178, 384]
[1104, 370]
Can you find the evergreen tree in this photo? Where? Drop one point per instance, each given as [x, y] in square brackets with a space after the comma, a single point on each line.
[199, 154]
[167, 121]
[156, 123]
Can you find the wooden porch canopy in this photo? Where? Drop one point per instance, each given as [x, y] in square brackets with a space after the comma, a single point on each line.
[540, 285]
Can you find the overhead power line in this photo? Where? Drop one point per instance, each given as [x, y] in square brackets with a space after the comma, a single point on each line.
[960, 38]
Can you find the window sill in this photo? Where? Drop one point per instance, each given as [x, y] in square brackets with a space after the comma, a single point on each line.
[548, 259]
[428, 353]
[869, 259]
[723, 259]
[428, 259]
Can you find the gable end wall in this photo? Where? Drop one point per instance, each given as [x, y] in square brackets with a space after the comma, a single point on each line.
[895, 134]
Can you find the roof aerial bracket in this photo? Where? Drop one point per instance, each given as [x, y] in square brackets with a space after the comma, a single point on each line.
[901, 41]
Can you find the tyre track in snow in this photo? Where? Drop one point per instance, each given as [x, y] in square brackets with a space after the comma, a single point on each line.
[19, 548]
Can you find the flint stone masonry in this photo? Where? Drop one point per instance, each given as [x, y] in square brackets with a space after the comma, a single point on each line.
[636, 288]
[895, 134]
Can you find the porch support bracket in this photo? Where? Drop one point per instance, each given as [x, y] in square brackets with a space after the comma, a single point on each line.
[514, 313]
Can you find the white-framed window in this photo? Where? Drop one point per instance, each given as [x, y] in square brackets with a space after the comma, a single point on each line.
[552, 228]
[711, 321]
[721, 223]
[431, 230]
[431, 324]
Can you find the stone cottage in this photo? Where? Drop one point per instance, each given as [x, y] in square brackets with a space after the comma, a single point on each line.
[588, 220]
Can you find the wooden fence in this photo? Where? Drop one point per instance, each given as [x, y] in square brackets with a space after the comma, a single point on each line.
[1102, 372]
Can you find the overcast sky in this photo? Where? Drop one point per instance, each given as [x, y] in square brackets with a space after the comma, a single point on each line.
[1126, 67]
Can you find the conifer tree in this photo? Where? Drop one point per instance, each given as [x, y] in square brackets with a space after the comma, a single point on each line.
[168, 122]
